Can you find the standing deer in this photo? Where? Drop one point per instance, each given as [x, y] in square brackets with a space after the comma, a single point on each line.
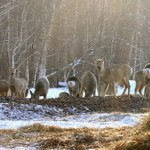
[116, 74]
[89, 84]
[41, 88]
[18, 86]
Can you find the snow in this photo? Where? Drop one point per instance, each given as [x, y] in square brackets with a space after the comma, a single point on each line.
[64, 84]
[95, 120]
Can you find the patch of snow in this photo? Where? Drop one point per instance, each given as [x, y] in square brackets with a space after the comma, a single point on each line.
[96, 120]
[62, 84]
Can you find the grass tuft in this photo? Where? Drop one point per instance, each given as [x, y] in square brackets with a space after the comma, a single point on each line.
[41, 128]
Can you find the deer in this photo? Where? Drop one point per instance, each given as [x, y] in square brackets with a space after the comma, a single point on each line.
[18, 86]
[116, 74]
[141, 78]
[89, 84]
[41, 88]
[74, 86]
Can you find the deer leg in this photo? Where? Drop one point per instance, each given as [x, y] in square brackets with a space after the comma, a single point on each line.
[44, 96]
[140, 89]
[105, 89]
[93, 93]
[113, 89]
[128, 87]
[125, 88]
[23, 94]
[136, 88]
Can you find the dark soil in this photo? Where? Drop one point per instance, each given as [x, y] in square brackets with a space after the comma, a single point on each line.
[93, 104]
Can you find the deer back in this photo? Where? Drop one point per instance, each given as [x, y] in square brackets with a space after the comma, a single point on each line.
[42, 86]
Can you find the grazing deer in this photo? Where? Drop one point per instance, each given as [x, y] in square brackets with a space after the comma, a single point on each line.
[89, 84]
[74, 86]
[4, 87]
[41, 88]
[18, 86]
[116, 74]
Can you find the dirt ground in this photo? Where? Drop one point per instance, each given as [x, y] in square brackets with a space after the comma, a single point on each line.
[93, 104]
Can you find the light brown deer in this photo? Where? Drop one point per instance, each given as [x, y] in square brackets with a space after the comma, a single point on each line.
[18, 86]
[115, 74]
[4, 88]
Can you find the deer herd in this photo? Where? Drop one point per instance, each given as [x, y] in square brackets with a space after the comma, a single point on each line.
[86, 86]
[109, 77]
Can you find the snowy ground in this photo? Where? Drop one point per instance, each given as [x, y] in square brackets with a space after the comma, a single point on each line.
[78, 121]
[14, 119]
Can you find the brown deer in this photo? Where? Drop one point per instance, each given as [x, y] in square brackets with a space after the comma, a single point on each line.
[41, 88]
[115, 74]
[141, 79]
[4, 87]
[89, 84]
[18, 86]
[147, 84]
[74, 86]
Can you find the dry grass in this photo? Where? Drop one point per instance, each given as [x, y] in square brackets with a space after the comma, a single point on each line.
[146, 123]
[40, 128]
[45, 137]
[137, 142]
[53, 137]
[140, 140]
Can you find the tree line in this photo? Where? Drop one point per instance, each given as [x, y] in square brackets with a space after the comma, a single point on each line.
[58, 38]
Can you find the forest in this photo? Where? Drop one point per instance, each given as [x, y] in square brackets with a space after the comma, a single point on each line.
[60, 37]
